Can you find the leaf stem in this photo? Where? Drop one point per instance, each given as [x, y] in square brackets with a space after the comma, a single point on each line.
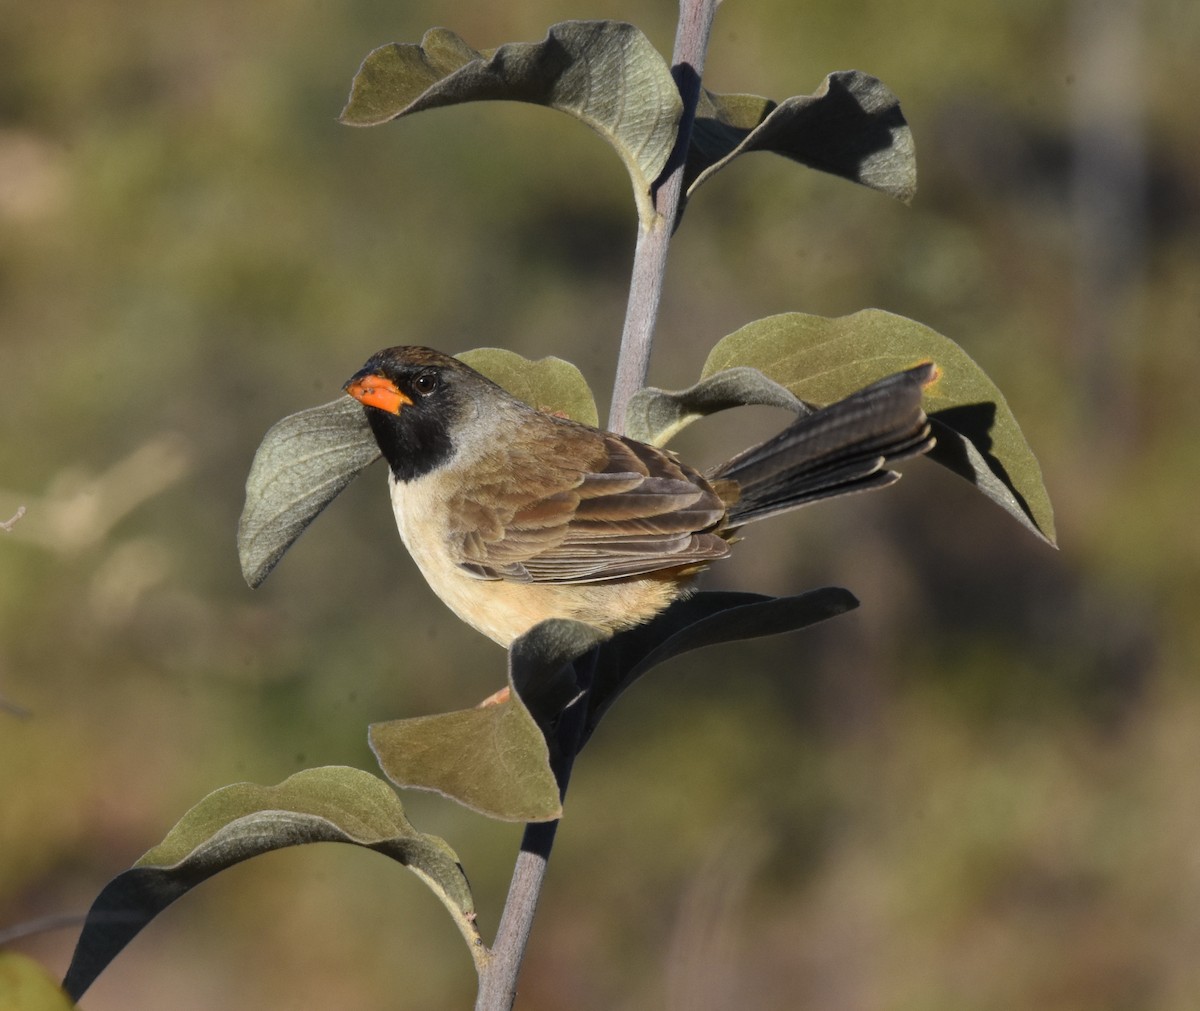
[650, 256]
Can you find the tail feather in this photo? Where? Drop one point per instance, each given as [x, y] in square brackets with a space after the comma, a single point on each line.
[840, 449]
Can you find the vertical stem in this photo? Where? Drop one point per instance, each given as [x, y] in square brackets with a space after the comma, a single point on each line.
[650, 257]
[498, 979]
[637, 338]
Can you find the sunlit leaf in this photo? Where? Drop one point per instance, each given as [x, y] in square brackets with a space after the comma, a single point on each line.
[657, 416]
[26, 986]
[851, 126]
[549, 384]
[605, 73]
[302, 465]
[705, 619]
[822, 360]
[494, 758]
[334, 804]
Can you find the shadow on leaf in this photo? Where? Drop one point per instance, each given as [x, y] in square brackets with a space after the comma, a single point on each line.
[235, 823]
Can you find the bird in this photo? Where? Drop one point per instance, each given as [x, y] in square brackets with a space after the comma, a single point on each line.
[515, 515]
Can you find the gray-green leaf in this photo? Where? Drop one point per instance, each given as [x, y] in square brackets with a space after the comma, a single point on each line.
[821, 360]
[657, 416]
[302, 464]
[549, 384]
[494, 758]
[333, 804]
[851, 126]
[605, 73]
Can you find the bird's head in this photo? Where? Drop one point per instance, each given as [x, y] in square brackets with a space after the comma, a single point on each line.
[416, 401]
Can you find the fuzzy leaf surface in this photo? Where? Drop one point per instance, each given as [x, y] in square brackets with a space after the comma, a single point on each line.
[822, 360]
[27, 986]
[605, 73]
[851, 126]
[550, 384]
[657, 416]
[302, 464]
[494, 758]
[235, 823]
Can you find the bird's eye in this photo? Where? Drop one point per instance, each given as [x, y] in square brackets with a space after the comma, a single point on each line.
[425, 383]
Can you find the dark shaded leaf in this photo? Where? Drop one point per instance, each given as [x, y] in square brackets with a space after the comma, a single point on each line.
[851, 126]
[605, 73]
[549, 384]
[494, 758]
[657, 416]
[704, 620]
[27, 986]
[822, 360]
[302, 465]
[334, 804]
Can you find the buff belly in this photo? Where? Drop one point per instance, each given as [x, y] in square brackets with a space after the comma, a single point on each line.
[504, 610]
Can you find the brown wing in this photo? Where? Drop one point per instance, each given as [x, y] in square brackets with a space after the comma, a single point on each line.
[634, 509]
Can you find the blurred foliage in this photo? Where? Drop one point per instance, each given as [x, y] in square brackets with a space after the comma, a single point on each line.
[26, 986]
[976, 790]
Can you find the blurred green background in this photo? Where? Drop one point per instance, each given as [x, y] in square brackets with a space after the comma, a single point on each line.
[981, 790]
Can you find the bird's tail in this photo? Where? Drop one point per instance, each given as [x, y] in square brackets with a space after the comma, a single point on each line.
[843, 448]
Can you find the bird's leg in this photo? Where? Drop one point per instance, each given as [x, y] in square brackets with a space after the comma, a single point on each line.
[496, 698]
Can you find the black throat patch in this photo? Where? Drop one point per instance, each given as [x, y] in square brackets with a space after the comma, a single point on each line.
[415, 441]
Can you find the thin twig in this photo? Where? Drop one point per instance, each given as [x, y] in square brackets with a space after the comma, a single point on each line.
[498, 980]
[650, 257]
[41, 925]
[8, 524]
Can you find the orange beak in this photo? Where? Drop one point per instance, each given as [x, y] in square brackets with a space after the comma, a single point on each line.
[375, 391]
